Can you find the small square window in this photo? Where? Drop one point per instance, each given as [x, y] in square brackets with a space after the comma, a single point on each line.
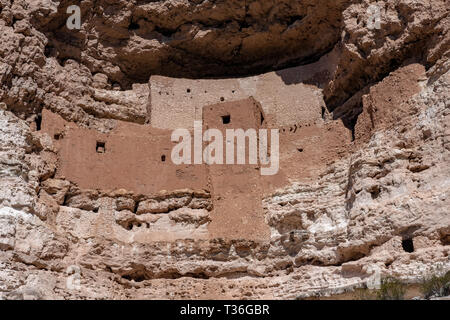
[101, 147]
[226, 119]
[163, 158]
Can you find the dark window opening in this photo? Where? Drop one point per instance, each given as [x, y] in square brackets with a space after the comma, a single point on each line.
[300, 149]
[116, 86]
[222, 99]
[226, 119]
[38, 121]
[163, 158]
[352, 126]
[101, 147]
[188, 90]
[375, 193]
[57, 136]
[243, 25]
[133, 26]
[65, 200]
[408, 245]
[49, 51]
[293, 19]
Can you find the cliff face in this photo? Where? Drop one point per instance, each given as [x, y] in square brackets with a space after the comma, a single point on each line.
[364, 115]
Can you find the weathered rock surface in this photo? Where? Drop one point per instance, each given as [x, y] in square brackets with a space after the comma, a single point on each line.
[343, 225]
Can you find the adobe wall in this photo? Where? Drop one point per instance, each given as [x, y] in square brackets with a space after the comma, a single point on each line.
[306, 151]
[285, 96]
[385, 104]
[236, 189]
[244, 114]
[129, 163]
[132, 158]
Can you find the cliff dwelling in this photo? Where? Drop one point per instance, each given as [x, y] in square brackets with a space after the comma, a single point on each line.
[204, 201]
[133, 149]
